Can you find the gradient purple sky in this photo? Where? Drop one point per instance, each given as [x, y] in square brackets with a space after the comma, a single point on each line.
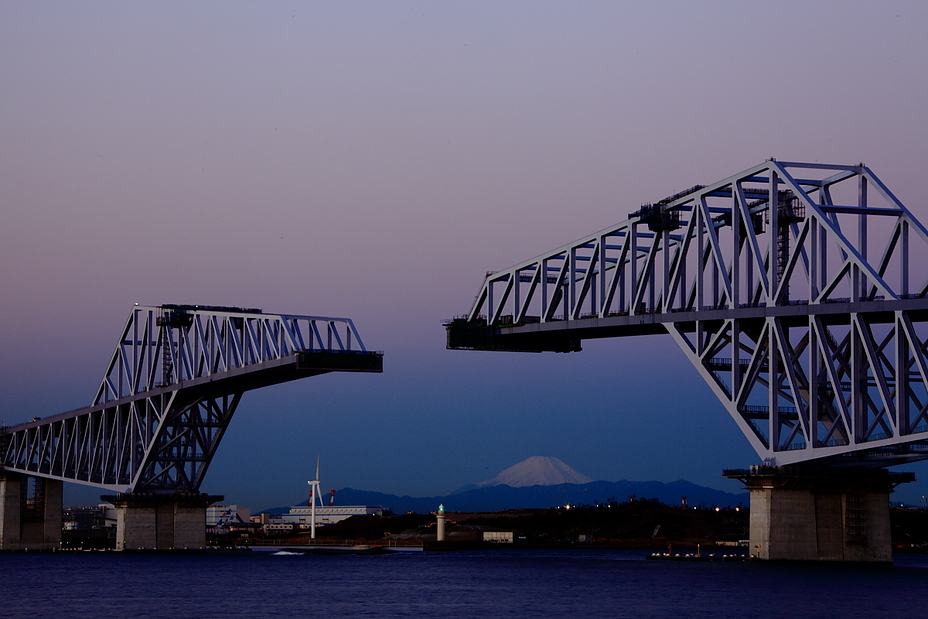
[374, 160]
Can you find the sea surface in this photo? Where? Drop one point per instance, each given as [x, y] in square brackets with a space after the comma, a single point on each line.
[492, 583]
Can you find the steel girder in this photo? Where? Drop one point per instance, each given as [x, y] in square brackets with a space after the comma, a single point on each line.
[170, 344]
[797, 290]
[175, 379]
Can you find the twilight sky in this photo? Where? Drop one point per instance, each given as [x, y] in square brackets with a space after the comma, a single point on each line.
[374, 160]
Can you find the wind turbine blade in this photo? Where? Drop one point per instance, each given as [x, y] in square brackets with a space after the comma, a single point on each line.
[317, 467]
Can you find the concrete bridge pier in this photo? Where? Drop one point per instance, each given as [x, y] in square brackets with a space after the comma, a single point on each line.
[146, 521]
[30, 512]
[814, 514]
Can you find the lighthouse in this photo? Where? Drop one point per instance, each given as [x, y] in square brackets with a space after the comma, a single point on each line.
[441, 523]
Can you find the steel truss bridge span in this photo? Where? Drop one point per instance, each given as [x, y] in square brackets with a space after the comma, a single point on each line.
[169, 392]
[797, 290]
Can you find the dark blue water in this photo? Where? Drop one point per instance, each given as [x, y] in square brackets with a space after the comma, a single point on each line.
[502, 583]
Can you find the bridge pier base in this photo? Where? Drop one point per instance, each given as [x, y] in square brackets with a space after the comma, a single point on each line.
[161, 521]
[800, 514]
[30, 512]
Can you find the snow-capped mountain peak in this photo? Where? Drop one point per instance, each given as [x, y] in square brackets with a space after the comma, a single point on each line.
[537, 471]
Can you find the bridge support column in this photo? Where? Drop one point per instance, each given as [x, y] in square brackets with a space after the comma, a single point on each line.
[820, 515]
[161, 521]
[30, 512]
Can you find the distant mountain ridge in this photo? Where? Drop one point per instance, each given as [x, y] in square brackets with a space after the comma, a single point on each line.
[500, 497]
[541, 482]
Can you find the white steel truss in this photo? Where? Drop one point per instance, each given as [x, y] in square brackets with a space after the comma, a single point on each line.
[808, 319]
[171, 344]
[174, 382]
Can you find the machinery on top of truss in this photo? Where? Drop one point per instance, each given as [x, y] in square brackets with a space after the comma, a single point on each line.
[797, 290]
[175, 379]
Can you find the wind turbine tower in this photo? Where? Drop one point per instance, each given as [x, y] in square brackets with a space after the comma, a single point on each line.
[313, 497]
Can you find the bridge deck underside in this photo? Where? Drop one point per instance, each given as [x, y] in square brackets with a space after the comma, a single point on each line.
[566, 335]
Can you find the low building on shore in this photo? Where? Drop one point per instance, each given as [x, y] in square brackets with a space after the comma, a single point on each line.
[299, 518]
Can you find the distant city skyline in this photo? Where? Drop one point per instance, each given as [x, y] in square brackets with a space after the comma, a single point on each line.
[375, 160]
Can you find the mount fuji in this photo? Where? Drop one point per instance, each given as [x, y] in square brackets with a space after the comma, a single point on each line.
[534, 471]
[537, 471]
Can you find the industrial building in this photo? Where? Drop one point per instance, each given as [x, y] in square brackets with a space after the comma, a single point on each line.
[300, 517]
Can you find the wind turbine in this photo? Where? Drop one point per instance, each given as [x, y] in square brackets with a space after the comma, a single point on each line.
[313, 497]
